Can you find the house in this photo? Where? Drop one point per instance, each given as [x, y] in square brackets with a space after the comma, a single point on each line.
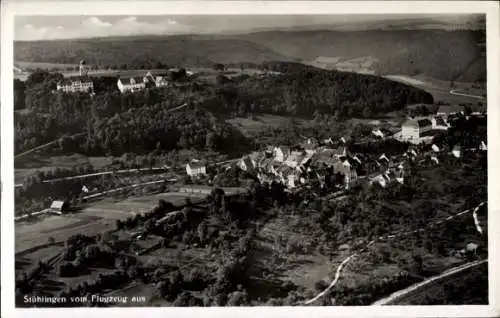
[161, 81]
[245, 163]
[439, 123]
[483, 146]
[471, 248]
[281, 153]
[310, 148]
[381, 133]
[196, 169]
[456, 151]
[76, 84]
[350, 174]
[294, 159]
[135, 83]
[383, 157]
[358, 158]
[59, 207]
[328, 141]
[445, 110]
[435, 159]
[381, 179]
[413, 129]
[340, 152]
[435, 148]
[344, 140]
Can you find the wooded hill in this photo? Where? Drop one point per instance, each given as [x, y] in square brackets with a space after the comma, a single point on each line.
[447, 55]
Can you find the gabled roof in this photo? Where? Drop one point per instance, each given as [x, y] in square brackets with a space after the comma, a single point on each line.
[74, 79]
[195, 165]
[126, 80]
[440, 121]
[418, 123]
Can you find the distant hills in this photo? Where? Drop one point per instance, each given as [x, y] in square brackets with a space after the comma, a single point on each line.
[448, 55]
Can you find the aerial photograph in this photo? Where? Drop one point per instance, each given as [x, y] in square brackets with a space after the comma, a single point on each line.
[250, 160]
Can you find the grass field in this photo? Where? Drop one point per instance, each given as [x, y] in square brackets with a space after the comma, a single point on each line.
[95, 218]
[250, 127]
[44, 163]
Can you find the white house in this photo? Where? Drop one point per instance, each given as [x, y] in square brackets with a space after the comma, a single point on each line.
[435, 148]
[281, 153]
[161, 81]
[456, 151]
[435, 159]
[413, 129]
[483, 146]
[196, 169]
[76, 84]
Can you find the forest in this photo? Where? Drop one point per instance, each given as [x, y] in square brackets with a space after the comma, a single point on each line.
[143, 122]
[448, 55]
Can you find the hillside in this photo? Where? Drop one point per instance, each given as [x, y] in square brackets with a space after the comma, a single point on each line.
[146, 51]
[446, 55]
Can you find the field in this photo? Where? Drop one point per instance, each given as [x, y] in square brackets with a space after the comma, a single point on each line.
[362, 65]
[440, 90]
[96, 218]
[28, 167]
[250, 127]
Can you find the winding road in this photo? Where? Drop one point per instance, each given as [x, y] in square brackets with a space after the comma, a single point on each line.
[398, 234]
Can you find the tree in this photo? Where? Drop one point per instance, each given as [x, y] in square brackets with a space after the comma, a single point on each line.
[218, 67]
[51, 240]
[202, 231]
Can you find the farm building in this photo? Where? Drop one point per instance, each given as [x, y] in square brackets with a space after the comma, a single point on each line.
[196, 169]
[59, 206]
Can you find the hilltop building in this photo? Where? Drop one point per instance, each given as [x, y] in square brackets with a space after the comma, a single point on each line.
[136, 83]
[81, 83]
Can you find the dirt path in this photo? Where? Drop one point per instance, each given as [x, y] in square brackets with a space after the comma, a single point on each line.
[414, 287]
[45, 145]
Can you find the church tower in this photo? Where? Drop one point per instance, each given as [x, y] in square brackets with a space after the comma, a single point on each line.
[83, 68]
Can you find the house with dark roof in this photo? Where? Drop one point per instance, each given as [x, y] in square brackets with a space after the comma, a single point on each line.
[439, 122]
[76, 84]
[413, 129]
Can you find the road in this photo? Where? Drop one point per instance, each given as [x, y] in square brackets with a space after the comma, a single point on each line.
[454, 92]
[390, 236]
[46, 145]
[401, 293]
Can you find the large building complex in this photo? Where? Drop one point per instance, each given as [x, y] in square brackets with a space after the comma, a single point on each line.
[81, 83]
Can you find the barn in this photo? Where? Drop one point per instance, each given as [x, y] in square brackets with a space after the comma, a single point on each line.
[59, 206]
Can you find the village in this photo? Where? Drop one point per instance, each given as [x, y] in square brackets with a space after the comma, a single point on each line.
[333, 163]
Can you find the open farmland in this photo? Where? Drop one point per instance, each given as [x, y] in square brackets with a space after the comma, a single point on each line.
[95, 218]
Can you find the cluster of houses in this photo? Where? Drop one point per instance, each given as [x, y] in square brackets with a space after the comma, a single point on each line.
[423, 129]
[299, 166]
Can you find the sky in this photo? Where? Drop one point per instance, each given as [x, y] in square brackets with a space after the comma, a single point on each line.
[32, 28]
